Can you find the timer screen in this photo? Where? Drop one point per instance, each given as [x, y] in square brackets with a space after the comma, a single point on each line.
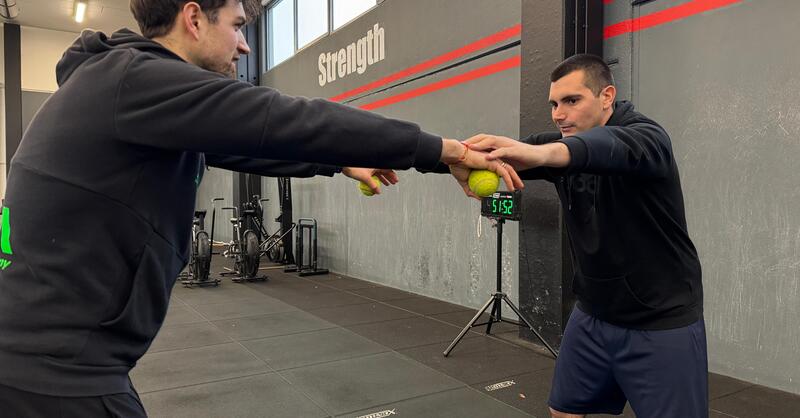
[502, 205]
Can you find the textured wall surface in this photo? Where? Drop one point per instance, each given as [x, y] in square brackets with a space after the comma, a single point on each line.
[725, 88]
[422, 235]
[217, 183]
[543, 295]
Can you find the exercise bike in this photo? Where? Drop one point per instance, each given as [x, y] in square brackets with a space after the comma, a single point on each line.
[243, 249]
[271, 245]
[247, 247]
[199, 267]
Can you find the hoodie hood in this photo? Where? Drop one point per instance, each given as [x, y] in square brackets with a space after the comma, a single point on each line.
[91, 43]
[623, 112]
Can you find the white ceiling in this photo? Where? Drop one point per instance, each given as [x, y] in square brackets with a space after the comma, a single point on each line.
[103, 15]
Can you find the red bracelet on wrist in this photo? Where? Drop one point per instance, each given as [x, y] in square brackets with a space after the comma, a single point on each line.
[464, 155]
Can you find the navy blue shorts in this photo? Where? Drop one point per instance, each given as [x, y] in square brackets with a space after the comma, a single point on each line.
[661, 373]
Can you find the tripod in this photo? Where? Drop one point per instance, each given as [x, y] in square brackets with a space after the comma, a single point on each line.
[496, 301]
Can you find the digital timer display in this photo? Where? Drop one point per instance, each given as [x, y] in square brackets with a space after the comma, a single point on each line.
[502, 205]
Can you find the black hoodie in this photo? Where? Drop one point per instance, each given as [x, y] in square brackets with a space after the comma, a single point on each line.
[100, 196]
[635, 265]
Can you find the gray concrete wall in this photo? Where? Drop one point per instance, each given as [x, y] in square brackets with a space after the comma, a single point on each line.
[32, 101]
[618, 50]
[543, 296]
[217, 183]
[422, 235]
[724, 84]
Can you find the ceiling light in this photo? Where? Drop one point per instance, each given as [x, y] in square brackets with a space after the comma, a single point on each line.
[80, 11]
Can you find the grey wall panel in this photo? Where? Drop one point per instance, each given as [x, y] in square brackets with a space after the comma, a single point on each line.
[443, 255]
[543, 296]
[269, 190]
[12, 84]
[421, 235]
[617, 50]
[217, 183]
[415, 31]
[725, 88]
[32, 101]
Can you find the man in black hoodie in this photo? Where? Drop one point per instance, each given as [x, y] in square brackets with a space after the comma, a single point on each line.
[637, 332]
[101, 192]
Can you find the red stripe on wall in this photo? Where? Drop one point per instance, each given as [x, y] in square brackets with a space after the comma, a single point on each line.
[447, 83]
[658, 18]
[607, 1]
[464, 50]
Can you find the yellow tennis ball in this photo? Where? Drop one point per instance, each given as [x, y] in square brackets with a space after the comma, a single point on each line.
[365, 189]
[483, 182]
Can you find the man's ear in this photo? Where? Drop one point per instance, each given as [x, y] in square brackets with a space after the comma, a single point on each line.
[608, 95]
[189, 17]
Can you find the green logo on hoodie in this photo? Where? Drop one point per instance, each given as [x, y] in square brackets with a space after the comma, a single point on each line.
[5, 238]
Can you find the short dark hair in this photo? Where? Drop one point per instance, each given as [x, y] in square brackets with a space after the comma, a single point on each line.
[597, 75]
[156, 17]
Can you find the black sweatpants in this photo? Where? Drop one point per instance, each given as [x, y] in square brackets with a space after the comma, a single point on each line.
[18, 403]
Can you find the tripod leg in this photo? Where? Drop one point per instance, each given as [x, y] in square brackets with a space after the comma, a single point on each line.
[466, 328]
[519, 314]
[495, 316]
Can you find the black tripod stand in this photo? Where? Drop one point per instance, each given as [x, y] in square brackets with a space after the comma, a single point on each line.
[496, 301]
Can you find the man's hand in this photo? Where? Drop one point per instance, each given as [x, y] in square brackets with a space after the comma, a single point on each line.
[364, 175]
[520, 155]
[461, 175]
[463, 158]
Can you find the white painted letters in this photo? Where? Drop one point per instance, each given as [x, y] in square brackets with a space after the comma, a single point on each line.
[354, 58]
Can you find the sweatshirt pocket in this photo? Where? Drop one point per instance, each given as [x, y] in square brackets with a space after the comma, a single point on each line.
[611, 296]
[127, 335]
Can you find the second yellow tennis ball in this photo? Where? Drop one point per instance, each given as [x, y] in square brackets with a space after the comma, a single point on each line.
[365, 188]
[483, 182]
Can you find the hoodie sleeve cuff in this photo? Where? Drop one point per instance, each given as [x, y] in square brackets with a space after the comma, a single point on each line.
[429, 151]
[441, 168]
[328, 170]
[578, 153]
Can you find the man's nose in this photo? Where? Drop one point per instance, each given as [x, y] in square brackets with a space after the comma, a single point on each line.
[243, 48]
[558, 115]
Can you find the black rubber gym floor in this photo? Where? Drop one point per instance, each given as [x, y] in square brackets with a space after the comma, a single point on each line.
[333, 346]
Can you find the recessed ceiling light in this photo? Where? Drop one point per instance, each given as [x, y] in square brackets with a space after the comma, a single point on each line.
[80, 11]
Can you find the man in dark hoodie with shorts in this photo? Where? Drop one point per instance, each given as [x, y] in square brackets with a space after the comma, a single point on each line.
[98, 208]
[637, 333]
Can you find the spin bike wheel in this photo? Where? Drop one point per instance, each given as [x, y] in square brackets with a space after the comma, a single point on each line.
[202, 257]
[250, 257]
[275, 253]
